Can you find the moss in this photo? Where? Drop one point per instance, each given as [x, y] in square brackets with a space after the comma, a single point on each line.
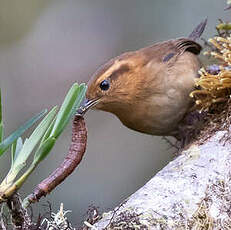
[201, 219]
[214, 209]
[127, 220]
[212, 94]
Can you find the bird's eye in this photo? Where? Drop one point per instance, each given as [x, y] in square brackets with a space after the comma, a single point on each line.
[104, 85]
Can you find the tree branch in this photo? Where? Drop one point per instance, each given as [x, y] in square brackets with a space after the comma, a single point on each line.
[191, 192]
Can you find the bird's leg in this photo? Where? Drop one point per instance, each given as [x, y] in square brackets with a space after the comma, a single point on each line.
[190, 127]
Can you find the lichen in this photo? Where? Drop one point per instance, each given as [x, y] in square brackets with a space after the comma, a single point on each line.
[58, 220]
[215, 86]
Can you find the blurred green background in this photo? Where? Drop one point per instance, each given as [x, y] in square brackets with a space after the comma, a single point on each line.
[46, 45]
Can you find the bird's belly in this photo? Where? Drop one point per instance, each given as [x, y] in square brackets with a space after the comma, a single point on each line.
[159, 117]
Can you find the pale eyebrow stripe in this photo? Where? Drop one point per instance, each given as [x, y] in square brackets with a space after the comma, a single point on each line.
[116, 66]
[116, 73]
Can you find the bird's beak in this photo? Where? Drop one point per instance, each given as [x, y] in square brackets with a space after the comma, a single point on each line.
[86, 105]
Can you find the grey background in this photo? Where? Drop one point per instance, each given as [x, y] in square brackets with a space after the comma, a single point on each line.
[45, 46]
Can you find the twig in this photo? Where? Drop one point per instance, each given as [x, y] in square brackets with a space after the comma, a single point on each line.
[115, 211]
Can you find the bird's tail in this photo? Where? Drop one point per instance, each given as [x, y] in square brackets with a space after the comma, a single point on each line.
[198, 30]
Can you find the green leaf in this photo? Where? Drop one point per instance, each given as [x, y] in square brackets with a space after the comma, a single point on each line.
[81, 95]
[69, 106]
[5, 144]
[44, 150]
[33, 140]
[1, 131]
[48, 132]
[15, 149]
[40, 154]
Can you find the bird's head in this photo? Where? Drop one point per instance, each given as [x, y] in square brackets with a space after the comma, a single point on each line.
[114, 85]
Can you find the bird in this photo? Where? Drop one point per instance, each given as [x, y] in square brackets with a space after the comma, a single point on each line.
[148, 89]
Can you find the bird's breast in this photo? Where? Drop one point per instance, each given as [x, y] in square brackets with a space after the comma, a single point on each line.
[167, 101]
[160, 116]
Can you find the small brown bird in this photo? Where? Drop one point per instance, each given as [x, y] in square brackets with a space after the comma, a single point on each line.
[148, 89]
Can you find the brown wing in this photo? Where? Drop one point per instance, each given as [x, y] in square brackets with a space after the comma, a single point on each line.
[165, 51]
[184, 44]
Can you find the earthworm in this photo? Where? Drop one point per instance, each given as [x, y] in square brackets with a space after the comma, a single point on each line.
[70, 162]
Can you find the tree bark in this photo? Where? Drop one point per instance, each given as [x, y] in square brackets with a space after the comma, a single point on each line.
[191, 192]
